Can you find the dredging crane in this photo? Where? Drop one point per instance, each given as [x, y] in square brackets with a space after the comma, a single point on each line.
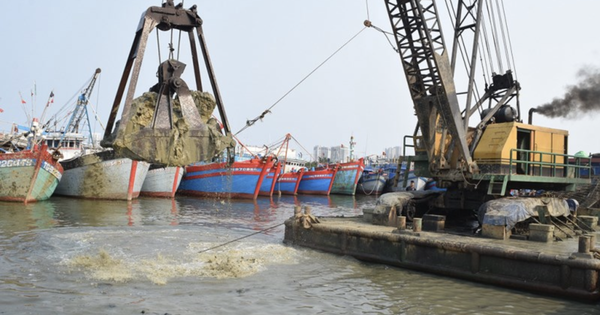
[178, 132]
[500, 153]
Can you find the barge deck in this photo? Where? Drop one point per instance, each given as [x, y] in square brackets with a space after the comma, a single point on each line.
[564, 268]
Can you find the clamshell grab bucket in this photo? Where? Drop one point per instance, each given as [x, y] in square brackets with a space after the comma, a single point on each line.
[165, 129]
[170, 125]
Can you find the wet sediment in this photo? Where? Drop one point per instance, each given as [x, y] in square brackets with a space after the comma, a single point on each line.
[179, 145]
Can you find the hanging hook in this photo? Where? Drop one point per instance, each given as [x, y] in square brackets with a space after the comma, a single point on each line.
[171, 49]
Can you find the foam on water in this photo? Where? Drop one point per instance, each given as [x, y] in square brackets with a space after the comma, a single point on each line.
[102, 266]
[101, 258]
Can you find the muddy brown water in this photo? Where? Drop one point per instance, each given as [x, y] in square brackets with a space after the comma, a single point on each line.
[72, 256]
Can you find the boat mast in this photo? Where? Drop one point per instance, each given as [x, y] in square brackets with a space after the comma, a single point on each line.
[352, 143]
[81, 110]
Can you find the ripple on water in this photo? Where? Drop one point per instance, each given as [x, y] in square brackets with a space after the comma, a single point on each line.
[122, 258]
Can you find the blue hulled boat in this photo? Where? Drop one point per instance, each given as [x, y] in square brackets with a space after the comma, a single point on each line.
[241, 179]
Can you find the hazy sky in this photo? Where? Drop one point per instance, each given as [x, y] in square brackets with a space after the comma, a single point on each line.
[260, 49]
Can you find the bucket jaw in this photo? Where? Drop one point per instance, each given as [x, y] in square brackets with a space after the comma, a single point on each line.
[164, 126]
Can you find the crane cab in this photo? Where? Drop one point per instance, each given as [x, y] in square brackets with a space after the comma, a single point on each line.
[520, 155]
[518, 148]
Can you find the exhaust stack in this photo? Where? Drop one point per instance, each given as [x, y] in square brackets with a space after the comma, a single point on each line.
[531, 111]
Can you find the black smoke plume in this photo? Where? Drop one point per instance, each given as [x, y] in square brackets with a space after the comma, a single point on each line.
[581, 98]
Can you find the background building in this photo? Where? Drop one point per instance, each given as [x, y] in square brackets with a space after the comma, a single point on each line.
[340, 154]
[321, 154]
[393, 153]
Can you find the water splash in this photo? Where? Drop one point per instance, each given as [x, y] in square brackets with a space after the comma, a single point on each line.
[103, 267]
[114, 265]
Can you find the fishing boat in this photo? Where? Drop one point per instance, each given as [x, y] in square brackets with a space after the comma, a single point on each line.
[241, 179]
[268, 184]
[29, 175]
[317, 181]
[162, 181]
[13, 140]
[95, 172]
[346, 178]
[398, 181]
[288, 183]
[69, 144]
[102, 175]
[371, 182]
[288, 177]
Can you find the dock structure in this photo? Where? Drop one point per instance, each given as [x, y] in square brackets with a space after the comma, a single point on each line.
[565, 269]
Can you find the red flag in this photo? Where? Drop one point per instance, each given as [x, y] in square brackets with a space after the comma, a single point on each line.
[50, 99]
[1, 110]
[22, 100]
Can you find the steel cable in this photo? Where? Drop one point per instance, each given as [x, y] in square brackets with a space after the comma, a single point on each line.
[240, 238]
[268, 110]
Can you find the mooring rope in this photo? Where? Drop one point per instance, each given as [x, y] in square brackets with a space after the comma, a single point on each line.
[240, 238]
[373, 188]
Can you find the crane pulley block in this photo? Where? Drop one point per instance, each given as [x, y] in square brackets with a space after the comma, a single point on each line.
[502, 81]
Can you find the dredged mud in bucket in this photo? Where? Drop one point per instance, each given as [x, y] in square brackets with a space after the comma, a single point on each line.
[178, 146]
